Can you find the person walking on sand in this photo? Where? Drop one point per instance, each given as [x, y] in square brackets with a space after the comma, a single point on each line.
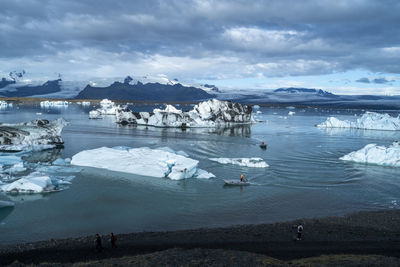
[300, 230]
[99, 247]
[113, 240]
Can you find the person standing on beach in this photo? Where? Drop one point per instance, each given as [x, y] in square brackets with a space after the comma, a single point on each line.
[113, 240]
[99, 247]
[299, 231]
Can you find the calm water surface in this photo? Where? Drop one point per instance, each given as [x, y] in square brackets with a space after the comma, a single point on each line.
[305, 177]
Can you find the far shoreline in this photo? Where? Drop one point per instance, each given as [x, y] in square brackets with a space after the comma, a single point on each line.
[297, 105]
[361, 233]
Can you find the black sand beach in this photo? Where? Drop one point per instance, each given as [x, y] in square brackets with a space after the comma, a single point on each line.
[362, 233]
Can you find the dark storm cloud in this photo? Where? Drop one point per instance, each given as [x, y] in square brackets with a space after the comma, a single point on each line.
[316, 36]
[363, 80]
[380, 80]
[376, 80]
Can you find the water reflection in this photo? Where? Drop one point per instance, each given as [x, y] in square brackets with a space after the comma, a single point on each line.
[243, 130]
[362, 133]
[49, 155]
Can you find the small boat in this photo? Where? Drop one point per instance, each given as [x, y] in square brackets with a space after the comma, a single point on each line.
[263, 146]
[236, 182]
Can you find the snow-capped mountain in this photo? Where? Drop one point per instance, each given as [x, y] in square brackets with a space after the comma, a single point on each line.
[130, 89]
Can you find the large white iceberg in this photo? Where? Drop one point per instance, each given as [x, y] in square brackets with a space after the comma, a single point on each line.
[246, 162]
[141, 161]
[34, 135]
[374, 154]
[33, 183]
[369, 121]
[205, 114]
[107, 107]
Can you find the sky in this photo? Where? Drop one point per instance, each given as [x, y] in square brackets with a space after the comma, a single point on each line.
[346, 47]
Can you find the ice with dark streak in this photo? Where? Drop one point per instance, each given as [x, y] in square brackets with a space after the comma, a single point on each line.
[209, 113]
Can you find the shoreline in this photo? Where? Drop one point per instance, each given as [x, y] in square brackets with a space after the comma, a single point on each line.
[361, 233]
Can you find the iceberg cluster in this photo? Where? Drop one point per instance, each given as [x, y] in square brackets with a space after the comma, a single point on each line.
[205, 114]
[107, 107]
[374, 154]
[43, 177]
[47, 104]
[34, 135]
[142, 161]
[368, 121]
[245, 162]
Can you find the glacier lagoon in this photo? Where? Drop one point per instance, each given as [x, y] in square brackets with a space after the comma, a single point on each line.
[305, 177]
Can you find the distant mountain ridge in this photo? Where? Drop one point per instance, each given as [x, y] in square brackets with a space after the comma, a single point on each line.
[29, 90]
[294, 90]
[144, 92]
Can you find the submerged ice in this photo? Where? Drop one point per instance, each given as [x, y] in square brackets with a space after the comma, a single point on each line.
[205, 114]
[142, 161]
[374, 154]
[246, 162]
[368, 121]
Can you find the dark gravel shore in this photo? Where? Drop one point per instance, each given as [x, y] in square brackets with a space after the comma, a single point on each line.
[362, 233]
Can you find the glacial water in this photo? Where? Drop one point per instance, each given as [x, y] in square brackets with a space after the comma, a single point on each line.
[305, 177]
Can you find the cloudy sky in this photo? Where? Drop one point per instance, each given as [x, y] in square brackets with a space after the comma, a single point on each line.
[340, 46]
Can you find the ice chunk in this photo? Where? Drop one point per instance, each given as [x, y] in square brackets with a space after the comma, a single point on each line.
[5, 104]
[107, 107]
[33, 183]
[16, 168]
[291, 113]
[168, 109]
[57, 104]
[34, 135]
[374, 154]
[247, 162]
[210, 113]
[369, 121]
[141, 161]
[10, 160]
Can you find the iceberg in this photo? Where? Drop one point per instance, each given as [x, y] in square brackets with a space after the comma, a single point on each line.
[368, 121]
[107, 107]
[246, 162]
[34, 135]
[141, 161]
[5, 104]
[209, 113]
[374, 154]
[33, 183]
[47, 104]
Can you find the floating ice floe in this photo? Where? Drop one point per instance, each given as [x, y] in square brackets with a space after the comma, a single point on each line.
[141, 161]
[246, 162]
[44, 177]
[47, 104]
[291, 113]
[34, 135]
[374, 154]
[83, 103]
[33, 183]
[107, 107]
[368, 121]
[5, 104]
[205, 114]
[256, 107]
